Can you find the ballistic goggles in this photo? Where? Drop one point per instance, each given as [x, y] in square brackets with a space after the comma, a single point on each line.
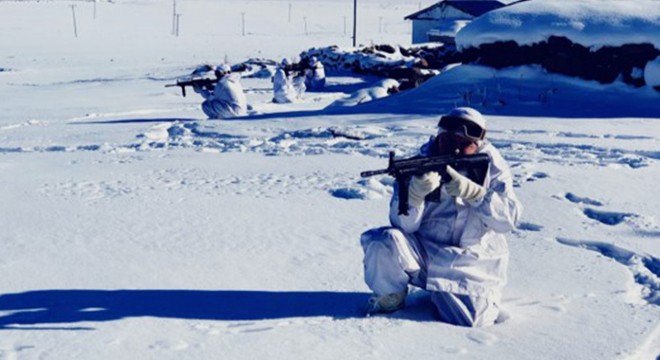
[463, 127]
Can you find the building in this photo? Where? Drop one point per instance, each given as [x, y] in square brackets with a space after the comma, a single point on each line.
[440, 22]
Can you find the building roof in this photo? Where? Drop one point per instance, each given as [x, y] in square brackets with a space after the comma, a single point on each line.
[472, 7]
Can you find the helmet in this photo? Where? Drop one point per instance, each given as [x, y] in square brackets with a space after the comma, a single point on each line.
[466, 122]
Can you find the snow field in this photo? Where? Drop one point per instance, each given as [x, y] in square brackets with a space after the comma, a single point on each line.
[134, 228]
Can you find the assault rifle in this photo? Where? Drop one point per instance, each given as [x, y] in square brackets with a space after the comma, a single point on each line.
[473, 167]
[296, 69]
[203, 82]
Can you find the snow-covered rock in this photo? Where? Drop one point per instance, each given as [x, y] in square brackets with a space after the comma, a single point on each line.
[381, 89]
[652, 73]
[381, 60]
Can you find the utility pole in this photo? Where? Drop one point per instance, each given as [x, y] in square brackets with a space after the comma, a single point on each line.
[243, 23]
[354, 22]
[178, 22]
[290, 12]
[174, 17]
[344, 25]
[75, 26]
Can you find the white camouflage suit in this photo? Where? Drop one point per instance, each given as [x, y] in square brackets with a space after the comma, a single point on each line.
[454, 249]
[227, 100]
[315, 75]
[287, 88]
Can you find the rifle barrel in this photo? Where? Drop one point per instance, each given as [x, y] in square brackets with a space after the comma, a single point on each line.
[374, 172]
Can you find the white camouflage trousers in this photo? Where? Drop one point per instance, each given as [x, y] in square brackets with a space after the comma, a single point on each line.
[392, 260]
[216, 109]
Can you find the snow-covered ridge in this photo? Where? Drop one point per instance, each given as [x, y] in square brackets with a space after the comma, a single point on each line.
[520, 90]
[591, 23]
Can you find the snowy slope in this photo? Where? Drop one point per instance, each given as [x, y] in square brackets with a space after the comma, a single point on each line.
[523, 90]
[134, 228]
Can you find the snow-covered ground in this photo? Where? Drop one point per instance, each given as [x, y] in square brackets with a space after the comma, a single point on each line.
[134, 228]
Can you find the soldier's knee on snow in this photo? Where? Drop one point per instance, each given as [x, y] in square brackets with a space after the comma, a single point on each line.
[464, 310]
[384, 235]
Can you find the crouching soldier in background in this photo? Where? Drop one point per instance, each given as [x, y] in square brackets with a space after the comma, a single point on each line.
[454, 248]
[226, 99]
[315, 74]
[288, 83]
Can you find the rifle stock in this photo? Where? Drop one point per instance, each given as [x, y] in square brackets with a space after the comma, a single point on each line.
[474, 167]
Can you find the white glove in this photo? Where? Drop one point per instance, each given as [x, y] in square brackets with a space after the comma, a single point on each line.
[420, 186]
[461, 186]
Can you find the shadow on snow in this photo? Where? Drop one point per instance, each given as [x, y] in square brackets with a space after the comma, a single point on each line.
[73, 306]
[134, 121]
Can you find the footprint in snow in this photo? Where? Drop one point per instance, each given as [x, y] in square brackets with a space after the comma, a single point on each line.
[644, 268]
[558, 308]
[529, 303]
[526, 226]
[354, 194]
[537, 176]
[581, 200]
[482, 337]
[646, 226]
[519, 179]
[367, 189]
[607, 217]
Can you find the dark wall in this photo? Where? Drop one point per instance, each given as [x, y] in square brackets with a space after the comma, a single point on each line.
[560, 55]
